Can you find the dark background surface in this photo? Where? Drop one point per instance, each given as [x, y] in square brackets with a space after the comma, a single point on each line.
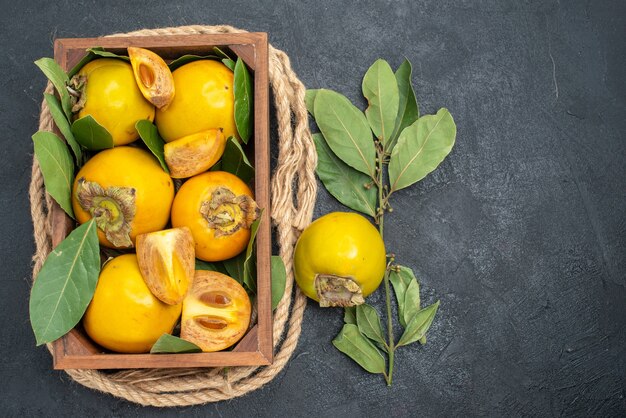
[521, 232]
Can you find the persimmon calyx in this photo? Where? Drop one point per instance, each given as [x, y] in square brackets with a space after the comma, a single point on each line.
[76, 88]
[226, 213]
[113, 209]
[337, 291]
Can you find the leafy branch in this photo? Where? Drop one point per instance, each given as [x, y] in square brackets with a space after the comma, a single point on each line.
[363, 159]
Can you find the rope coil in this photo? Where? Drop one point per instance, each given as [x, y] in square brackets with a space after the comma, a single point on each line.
[293, 190]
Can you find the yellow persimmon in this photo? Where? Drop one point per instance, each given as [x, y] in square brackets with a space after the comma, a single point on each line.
[339, 259]
[219, 209]
[128, 193]
[111, 96]
[124, 316]
[204, 100]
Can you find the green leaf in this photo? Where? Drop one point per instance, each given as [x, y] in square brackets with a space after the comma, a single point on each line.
[346, 130]
[279, 278]
[90, 55]
[205, 265]
[100, 52]
[421, 148]
[91, 135]
[309, 100]
[234, 267]
[418, 325]
[170, 344]
[368, 321]
[93, 53]
[64, 126]
[353, 344]
[220, 53]
[59, 79]
[411, 301]
[186, 59]
[225, 58]
[234, 161]
[400, 280]
[380, 88]
[229, 63]
[242, 90]
[249, 265]
[349, 315]
[343, 181]
[84, 60]
[150, 136]
[65, 284]
[57, 168]
[408, 111]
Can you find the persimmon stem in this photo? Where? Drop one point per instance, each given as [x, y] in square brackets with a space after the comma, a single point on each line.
[380, 220]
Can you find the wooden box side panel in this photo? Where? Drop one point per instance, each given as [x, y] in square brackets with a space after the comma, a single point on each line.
[75, 350]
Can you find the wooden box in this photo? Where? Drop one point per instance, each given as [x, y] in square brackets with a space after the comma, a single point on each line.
[75, 350]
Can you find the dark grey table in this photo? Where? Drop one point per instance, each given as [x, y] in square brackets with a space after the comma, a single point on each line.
[521, 232]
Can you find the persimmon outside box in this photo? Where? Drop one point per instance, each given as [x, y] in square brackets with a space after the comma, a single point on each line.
[75, 350]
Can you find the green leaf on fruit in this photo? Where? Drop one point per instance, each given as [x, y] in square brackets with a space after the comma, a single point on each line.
[243, 93]
[346, 131]
[150, 136]
[345, 183]
[186, 59]
[421, 148]
[380, 88]
[57, 168]
[174, 345]
[91, 135]
[92, 54]
[356, 346]
[65, 284]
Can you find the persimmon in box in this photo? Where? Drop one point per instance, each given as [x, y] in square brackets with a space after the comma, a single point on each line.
[160, 192]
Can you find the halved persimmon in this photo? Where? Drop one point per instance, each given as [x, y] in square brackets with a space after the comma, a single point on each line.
[216, 311]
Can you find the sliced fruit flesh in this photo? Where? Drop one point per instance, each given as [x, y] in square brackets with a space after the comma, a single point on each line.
[167, 261]
[153, 76]
[194, 154]
[216, 311]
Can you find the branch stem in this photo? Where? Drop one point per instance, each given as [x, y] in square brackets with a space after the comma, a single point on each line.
[380, 218]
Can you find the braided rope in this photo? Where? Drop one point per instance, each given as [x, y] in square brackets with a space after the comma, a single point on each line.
[291, 212]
